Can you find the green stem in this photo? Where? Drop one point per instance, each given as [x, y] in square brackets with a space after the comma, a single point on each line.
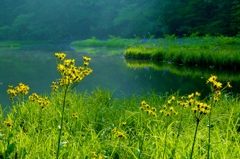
[61, 124]
[194, 140]
[176, 143]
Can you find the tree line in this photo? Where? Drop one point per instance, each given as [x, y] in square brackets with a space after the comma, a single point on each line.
[67, 20]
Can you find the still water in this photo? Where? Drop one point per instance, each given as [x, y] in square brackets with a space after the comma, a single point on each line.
[36, 66]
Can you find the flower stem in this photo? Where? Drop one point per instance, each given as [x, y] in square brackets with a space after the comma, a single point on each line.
[194, 140]
[61, 124]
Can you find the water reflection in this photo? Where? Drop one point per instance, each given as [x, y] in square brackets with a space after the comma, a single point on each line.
[36, 67]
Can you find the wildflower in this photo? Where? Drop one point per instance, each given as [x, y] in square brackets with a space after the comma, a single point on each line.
[216, 98]
[154, 114]
[85, 63]
[173, 98]
[171, 109]
[61, 56]
[162, 111]
[169, 101]
[164, 107]
[212, 79]
[228, 85]
[9, 124]
[217, 84]
[218, 93]
[124, 123]
[94, 154]
[121, 135]
[191, 95]
[114, 130]
[197, 94]
[143, 102]
[75, 115]
[33, 97]
[147, 106]
[154, 109]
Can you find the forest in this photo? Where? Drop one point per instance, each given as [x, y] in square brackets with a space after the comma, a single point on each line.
[69, 20]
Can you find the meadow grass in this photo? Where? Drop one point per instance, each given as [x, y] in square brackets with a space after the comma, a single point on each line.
[96, 125]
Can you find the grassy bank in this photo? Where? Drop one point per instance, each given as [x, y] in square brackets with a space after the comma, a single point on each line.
[67, 124]
[110, 43]
[218, 52]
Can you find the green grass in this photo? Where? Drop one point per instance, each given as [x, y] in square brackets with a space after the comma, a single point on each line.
[9, 45]
[219, 52]
[111, 42]
[34, 134]
[97, 125]
[224, 75]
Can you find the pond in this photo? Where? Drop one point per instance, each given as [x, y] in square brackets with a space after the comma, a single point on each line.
[35, 66]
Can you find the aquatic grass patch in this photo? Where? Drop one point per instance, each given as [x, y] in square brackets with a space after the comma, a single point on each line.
[182, 70]
[97, 125]
[9, 45]
[99, 50]
[111, 42]
[204, 51]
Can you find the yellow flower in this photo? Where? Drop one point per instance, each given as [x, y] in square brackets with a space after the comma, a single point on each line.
[197, 94]
[94, 154]
[228, 85]
[124, 123]
[191, 95]
[143, 102]
[9, 124]
[212, 79]
[216, 98]
[85, 63]
[121, 135]
[114, 130]
[218, 93]
[217, 84]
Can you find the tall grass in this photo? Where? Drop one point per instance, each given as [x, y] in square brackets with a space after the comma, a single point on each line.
[219, 52]
[96, 125]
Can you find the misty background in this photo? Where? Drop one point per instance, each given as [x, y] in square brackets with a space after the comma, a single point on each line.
[69, 20]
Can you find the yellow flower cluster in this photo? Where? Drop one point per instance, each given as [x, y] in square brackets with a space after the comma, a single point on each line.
[70, 74]
[61, 56]
[189, 100]
[168, 111]
[95, 156]
[43, 102]
[199, 108]
[33, 97]
[145, 107]
[216, 87]
[21, 89]
[216, 84]
[119, 133]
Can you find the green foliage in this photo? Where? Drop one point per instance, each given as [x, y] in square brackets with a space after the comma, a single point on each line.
[195, 51]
